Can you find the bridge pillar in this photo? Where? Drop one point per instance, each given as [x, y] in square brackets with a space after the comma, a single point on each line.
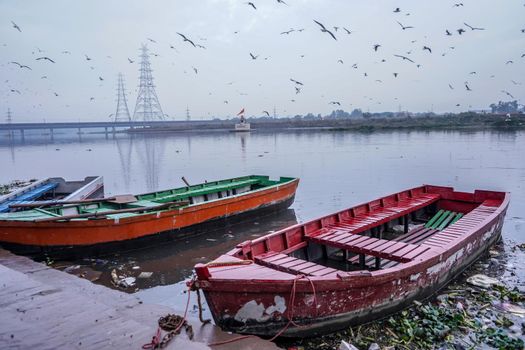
[51, 134]
[22, 134]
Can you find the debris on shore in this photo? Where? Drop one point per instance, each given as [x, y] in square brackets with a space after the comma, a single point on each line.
[471, 313]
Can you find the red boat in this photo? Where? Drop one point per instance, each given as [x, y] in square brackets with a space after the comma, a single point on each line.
[352, 266]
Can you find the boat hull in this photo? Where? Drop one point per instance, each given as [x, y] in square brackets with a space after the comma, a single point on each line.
[261, 306]
[77, 238]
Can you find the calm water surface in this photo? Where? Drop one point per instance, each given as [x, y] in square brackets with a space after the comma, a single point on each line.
[337, 170]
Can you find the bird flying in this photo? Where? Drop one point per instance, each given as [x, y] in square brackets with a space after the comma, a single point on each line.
[404, 27]
[376, 46]
[427, 48]
[324, 30]
[334, 103]
[16, 26]
[253, 56]
[45, 58]
[186, 39]
[404, 58]
[251, 4]
[21, 65]
[288, 31]
[295, 81]
[467, 87]
[473, 28]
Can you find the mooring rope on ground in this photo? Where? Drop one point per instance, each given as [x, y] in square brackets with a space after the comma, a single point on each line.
[174, 323]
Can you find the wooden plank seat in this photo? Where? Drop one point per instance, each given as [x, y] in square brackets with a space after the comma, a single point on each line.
[416, 236]
[378, 215]
[289, 264]
[376, 247]
[442, 219]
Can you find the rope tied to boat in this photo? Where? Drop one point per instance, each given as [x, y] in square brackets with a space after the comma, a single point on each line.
[193, 285]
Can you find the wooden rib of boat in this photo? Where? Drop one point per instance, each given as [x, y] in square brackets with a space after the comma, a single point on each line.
[70, 228]
[352, 266]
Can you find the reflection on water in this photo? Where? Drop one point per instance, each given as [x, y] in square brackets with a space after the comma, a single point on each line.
[173, 262]
[337, 170]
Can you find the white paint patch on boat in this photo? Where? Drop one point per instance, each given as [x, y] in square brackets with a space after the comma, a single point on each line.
[488, 234]
[257, 311]
[445, 264]
[415, 277]
[280, 305]
[250, 311]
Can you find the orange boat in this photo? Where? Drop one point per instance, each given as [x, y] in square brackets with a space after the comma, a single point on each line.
[73, 228]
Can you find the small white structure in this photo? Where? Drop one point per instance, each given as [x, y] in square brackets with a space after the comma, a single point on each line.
[243, 126]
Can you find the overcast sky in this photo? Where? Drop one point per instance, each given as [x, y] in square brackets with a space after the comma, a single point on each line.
[110, 32]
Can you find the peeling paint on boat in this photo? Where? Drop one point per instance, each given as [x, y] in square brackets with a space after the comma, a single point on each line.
[415, 277]
[257, 311]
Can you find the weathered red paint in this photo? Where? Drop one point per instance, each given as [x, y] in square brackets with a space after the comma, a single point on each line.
[256, 298]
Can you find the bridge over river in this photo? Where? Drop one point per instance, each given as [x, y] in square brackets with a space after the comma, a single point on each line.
[19, 129]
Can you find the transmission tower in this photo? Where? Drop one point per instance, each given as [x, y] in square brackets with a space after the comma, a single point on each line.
[147, 107]
[9, 118]
[274, 113]
[122, 113]
[188, 117]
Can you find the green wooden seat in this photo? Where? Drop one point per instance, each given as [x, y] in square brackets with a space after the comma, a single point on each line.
[443, 219]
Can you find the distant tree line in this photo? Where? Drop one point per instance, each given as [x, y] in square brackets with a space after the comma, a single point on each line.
[506, 107]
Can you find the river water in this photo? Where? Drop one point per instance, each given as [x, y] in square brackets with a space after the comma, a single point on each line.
[337, 170]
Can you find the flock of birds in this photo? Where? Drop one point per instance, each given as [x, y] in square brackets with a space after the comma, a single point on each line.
[331, 32]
